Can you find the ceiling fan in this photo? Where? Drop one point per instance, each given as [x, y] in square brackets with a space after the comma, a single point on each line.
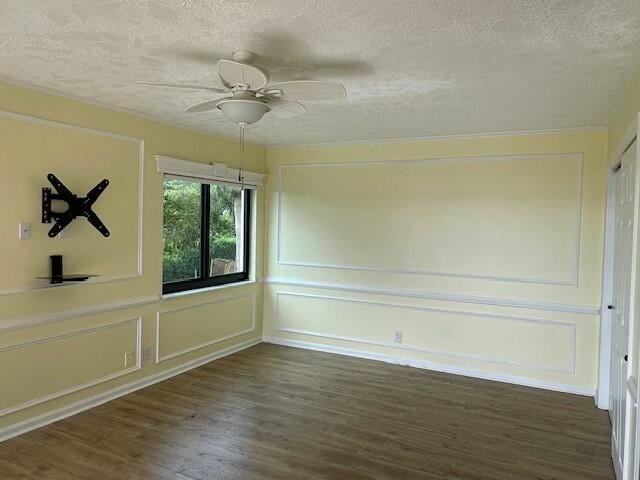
[248, 96]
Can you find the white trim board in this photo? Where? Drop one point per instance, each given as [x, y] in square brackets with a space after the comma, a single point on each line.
[570, 369]
[160, 359]
[36, 320]
[369, 268]
[91, 402]
[103, 133]
[447, 297]
[416, 363]
[213, 172]
[215, 288]
[81, 386]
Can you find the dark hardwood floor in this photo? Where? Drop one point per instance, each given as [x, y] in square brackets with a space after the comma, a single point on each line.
[278, 412]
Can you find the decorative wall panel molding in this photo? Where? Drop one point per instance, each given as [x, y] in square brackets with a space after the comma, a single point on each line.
[136, 270]
[208, 327]
[399, 177]
[115, 356]
[446, 297]
[36, 320]
[554, 329]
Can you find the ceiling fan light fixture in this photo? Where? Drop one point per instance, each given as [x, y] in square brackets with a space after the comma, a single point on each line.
[243, 111]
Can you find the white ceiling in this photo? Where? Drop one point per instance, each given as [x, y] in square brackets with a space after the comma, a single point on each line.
[411, 67]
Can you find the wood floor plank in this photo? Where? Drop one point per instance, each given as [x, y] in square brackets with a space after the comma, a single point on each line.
[273, 412]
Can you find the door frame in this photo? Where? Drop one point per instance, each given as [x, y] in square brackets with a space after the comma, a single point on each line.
[632, 426]
[602, 391]
[632, 392]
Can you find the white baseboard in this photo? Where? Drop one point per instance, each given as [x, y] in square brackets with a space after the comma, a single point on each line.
[87, 403]
[427, 365]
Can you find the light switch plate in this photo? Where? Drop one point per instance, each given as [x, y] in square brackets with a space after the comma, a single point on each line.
[24, 230]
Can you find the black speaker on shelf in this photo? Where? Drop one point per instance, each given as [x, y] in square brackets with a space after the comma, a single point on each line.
[56, 269]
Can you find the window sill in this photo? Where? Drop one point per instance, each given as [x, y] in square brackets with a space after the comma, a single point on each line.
[208, 289]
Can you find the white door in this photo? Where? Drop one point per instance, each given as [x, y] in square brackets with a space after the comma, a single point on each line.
[621, 304]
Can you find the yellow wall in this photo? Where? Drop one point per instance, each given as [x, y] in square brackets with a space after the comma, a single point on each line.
[485, 252]
[66, 344]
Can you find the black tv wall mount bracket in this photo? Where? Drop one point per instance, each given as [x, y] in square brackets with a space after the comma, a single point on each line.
[78, 206]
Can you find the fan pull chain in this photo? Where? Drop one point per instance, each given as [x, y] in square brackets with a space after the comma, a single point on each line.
[240, 173]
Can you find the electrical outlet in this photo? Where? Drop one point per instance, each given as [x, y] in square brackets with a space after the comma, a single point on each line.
[146, 353]
[397, 337]
[128, 359]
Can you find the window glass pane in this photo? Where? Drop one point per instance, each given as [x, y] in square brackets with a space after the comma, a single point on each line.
[226, 230]
[181, 229]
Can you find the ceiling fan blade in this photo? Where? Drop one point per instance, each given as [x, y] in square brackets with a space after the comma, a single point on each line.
[284, 109]
[184, 85]
[311, 90]
[203, 107]
[234, 73]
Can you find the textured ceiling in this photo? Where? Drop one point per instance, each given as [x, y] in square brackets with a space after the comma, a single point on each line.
[411, 67]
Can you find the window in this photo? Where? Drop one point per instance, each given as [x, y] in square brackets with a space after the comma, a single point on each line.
[206, 234]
